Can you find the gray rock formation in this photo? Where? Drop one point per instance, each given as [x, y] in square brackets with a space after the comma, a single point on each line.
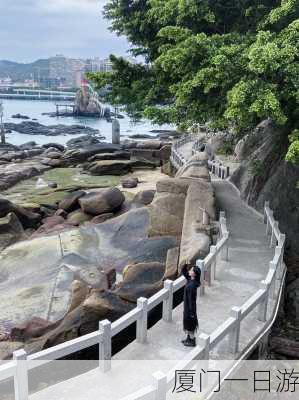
[11, 230]
[105, 201]
[264, 175]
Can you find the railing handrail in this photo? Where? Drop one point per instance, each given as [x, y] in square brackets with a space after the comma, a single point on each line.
[232, 324]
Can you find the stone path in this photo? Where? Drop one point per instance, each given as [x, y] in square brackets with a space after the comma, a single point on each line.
[237, 280]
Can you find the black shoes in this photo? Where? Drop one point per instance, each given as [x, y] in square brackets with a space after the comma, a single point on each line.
[189, 342]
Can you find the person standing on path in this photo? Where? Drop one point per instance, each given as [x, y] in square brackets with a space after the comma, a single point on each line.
[190, 321]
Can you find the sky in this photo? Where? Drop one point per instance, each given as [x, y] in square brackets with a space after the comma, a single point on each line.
[34, 29]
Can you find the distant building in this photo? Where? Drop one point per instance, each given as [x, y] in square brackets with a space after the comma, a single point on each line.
[54, 72]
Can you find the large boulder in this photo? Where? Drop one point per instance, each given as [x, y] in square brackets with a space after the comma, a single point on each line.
[173, 185]
[110, 167]
[105, 201]
[172, 261]
[196, 239]
[167, 214]
[145, 197]
[118, 155]
[11, 230]
[84, 319]
[71, 201]
[141, 280]
[129, 183]
[81, 152]
[27, 218]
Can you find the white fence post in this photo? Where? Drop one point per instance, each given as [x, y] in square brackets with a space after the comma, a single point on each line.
[141, 334]
[21, 375]
[201, 264]
[281, 241]
[224, 252]
[160, 383]
[221, 214]
[268, 230]
[267, 205]
[264, 304]
[273, 240]
[234, 336]
[204, 341]
[273, 267]
[105, 345]
[213, 250]
[168, 303]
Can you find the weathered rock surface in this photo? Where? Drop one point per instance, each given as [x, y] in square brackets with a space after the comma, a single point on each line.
[144, 197]
[11, 231]
[35, 128]
[264, 175]
[52, 264]
[172, 261]
[110, 167]
[71, 201]
[118, 155]
[142, 279]
[12, 173]
[77, 155]
[27, 218]
[102, 202]
[129, 183]
[167, 213]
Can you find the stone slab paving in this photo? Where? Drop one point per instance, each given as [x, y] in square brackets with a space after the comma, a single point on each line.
[237, 280]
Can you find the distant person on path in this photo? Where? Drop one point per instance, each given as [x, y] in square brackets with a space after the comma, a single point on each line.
[190, 321]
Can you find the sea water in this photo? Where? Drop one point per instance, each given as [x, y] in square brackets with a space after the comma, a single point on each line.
[35, 109]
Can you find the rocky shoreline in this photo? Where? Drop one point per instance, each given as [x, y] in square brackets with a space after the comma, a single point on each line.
[35, 128]
[97, 249]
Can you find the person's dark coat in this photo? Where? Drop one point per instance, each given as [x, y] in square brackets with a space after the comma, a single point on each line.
[190, 320]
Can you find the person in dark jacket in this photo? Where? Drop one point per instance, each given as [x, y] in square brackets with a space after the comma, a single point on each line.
[190, 321]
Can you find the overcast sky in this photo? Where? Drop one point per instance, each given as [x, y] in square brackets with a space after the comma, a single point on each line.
[33, 29]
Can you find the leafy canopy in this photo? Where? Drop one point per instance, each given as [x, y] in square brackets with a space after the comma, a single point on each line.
[231, 63]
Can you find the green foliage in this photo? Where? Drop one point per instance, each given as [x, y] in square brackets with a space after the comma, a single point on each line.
[293, 152]
[227, 149]
[230, 63]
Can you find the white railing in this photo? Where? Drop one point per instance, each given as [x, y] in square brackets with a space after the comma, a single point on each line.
[230, 328]
[218, 169]
[197, 145]
[177, 159]
[22, 363]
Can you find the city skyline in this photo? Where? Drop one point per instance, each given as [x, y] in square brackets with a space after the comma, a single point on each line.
[33, 29]
[57, 71]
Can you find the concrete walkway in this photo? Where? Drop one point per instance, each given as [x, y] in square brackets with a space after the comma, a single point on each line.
[237, 280]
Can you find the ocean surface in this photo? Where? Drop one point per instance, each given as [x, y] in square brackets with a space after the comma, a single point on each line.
[34, 109]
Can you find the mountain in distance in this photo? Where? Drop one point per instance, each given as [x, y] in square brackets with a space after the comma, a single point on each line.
[20, 72]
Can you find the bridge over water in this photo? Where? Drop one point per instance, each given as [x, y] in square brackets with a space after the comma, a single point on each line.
[243, 280]
[38, 94]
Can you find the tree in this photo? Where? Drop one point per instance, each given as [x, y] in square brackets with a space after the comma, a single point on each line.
[231, 63]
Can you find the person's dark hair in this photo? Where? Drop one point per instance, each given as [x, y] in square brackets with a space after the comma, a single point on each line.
[197, 274]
